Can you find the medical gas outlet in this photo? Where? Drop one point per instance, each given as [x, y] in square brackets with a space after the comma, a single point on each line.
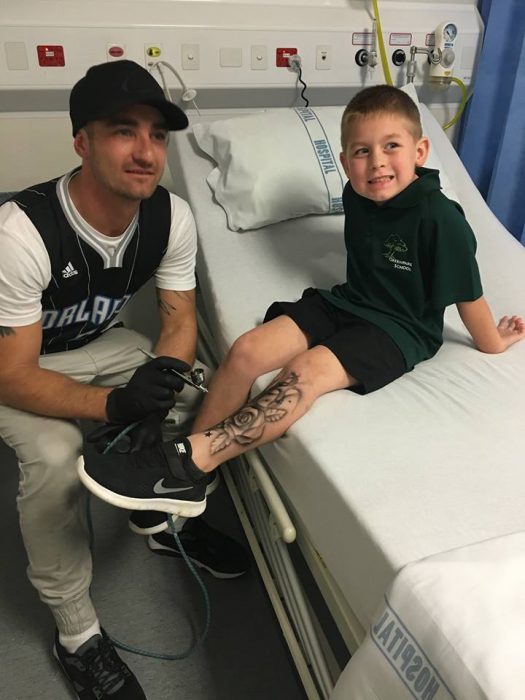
[398, 57]
[366, 58]
[441, 57]
[441, 70]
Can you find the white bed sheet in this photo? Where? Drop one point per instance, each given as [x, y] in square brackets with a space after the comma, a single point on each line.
[432, 462]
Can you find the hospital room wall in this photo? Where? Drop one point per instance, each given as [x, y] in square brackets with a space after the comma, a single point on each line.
[226, 51]
[234, 64]
[233, 46]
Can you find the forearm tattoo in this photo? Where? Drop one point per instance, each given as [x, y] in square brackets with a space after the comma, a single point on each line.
[247, 425]
[5, 331]
[165, 307]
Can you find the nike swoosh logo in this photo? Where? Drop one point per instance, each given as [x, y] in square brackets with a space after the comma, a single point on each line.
[159, 488]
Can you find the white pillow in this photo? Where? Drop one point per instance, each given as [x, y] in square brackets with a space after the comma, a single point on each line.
[275, 165]
[282, 164]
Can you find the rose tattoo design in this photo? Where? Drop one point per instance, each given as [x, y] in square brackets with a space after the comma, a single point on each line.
[247, 425]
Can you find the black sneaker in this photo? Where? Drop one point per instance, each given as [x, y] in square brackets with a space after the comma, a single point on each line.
[149, 522]
[207, 548]
[151, 479]
[97, 672]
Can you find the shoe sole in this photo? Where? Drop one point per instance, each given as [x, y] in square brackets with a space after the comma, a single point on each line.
[186, 509]
[145, 531]
[163, 526]
[167, 552]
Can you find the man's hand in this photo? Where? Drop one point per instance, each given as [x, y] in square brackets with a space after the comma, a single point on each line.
[150, 390]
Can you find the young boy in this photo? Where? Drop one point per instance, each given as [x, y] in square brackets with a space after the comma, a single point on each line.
[410, 253]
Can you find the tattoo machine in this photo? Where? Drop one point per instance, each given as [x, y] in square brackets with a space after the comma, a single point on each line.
[194, 379]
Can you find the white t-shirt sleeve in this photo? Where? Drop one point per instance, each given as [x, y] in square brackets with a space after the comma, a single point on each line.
[177, 268]
[25, 268]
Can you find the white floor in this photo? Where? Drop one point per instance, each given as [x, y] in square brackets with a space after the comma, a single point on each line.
[148, 602]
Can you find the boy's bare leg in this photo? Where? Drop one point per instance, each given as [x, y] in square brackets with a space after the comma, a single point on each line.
[267, 416]
[265, 348]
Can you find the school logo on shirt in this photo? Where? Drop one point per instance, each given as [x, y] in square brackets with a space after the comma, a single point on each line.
[395, 245]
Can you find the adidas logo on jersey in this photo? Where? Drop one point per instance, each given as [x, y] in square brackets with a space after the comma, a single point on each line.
[69, 271]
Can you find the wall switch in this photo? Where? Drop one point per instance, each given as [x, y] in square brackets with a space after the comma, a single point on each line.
[323, 57]
[259, 60]
[190, 56]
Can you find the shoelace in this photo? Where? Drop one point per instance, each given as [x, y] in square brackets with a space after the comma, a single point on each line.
[105, 668]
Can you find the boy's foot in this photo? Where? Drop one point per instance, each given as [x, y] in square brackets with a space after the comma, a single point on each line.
[96, 672]
[207, 548]
[152, 479]
[149, 522]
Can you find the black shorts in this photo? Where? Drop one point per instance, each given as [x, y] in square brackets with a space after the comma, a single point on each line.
[366, 352]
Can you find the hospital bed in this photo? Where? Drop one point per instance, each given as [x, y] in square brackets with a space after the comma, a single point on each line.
[417, 474]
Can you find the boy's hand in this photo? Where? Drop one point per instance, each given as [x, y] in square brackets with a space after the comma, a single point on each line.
[511, 329]
[488, 336]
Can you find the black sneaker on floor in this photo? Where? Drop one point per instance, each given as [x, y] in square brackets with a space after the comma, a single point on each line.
[96, 672]
[151, 479]
[149, 522]
[207, 548]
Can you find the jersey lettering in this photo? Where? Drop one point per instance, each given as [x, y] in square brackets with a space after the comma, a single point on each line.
[101, 311]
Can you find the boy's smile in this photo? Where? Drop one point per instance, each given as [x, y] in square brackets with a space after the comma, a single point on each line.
[381, 156]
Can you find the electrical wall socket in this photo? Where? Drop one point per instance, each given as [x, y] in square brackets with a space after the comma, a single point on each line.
[323, 57]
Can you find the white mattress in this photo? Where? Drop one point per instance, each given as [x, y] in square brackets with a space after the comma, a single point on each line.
[431, 463]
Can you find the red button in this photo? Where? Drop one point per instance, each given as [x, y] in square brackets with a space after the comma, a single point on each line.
[116, 51]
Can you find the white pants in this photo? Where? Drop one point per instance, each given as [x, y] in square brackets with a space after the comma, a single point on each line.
[51, 502]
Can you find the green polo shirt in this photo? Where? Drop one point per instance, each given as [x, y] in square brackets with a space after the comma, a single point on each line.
[407, 259]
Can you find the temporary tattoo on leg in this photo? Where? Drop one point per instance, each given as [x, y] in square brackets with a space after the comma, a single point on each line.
[5, 331]
[247, 425]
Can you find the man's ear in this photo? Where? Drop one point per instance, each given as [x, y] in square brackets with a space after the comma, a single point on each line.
[81, 143]
[422, 150]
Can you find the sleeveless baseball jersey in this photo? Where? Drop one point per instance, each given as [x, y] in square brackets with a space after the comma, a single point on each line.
[89, 283]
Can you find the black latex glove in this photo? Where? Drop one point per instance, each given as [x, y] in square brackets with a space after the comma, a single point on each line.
[150, 390]
[146, 434]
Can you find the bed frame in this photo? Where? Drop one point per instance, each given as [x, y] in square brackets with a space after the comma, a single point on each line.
[269, 515]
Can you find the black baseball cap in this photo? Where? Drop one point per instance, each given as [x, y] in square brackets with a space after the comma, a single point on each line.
[109, 87]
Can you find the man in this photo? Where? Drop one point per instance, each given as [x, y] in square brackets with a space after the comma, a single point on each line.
[74, 251]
